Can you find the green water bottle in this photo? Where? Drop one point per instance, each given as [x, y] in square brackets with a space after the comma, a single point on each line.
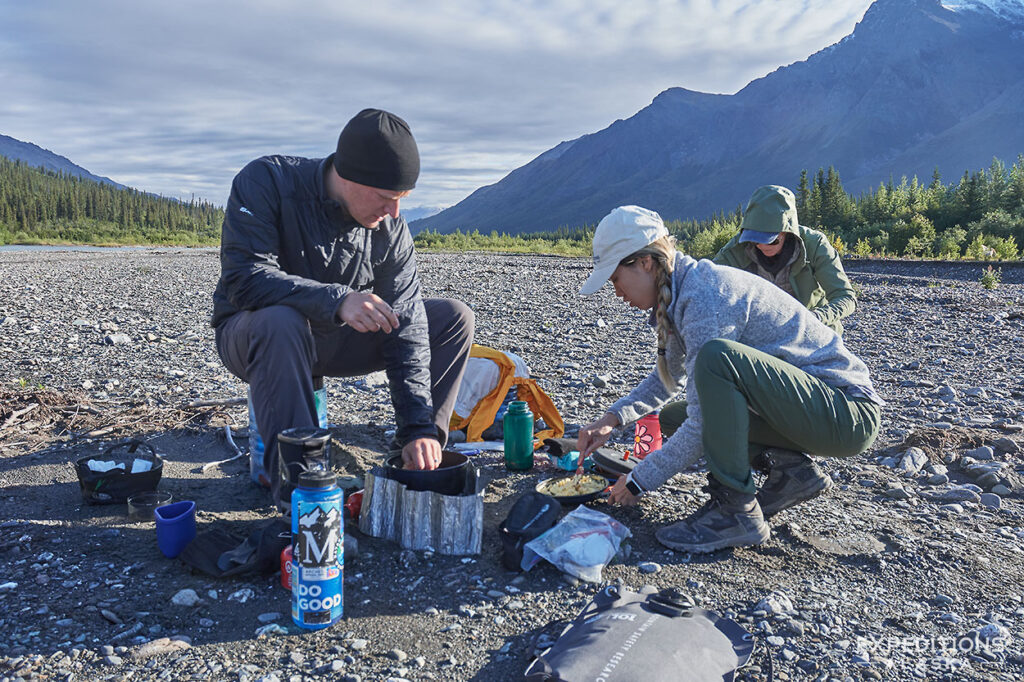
[518, 427]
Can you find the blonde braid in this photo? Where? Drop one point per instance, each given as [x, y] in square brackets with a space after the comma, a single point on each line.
[663, 253]
[664, 282]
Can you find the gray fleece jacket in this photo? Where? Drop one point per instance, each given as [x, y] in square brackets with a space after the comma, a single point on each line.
[712, 301]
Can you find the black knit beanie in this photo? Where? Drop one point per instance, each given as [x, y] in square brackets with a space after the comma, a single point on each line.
[377, 149]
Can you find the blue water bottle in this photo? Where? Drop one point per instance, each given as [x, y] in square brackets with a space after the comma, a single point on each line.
[318, 548]
[257, 447]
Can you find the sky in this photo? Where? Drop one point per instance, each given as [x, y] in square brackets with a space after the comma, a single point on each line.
[175, 97]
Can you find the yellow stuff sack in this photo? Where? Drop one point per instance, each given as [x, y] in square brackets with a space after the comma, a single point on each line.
[483, 410]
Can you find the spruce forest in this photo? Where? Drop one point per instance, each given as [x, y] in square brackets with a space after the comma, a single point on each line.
[38, 206]
[980, 216]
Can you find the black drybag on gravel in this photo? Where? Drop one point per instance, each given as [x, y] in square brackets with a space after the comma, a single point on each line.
[651, 635]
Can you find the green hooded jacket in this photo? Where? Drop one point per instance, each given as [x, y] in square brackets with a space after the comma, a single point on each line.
[816, 276]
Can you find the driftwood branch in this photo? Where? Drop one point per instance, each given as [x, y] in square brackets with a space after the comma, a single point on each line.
[231, 442]
[78, 408]
[16, 414]
[127, 633]
[215, 403]
[100, 430]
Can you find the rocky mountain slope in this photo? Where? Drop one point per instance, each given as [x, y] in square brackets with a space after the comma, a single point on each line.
[36, 156]
[918, 84]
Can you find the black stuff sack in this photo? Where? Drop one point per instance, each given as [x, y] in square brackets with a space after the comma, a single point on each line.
[651, 635]
[532, 514]
[119, 472]
[560, 446]
[224, 553]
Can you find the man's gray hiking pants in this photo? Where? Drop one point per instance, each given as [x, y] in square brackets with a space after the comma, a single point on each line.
[277, 353]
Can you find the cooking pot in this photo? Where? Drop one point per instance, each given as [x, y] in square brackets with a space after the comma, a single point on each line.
[447, 479]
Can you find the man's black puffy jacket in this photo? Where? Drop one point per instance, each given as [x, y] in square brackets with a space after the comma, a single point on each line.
[285, 242]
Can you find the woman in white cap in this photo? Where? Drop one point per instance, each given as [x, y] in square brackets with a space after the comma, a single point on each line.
[761, 372]
[772, 244]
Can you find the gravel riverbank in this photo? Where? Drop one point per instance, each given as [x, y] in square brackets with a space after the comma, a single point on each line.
[909, 568]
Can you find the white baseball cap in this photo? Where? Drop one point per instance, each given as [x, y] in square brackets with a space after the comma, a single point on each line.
[622, 232]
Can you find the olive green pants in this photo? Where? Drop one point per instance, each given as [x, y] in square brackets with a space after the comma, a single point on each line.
[671, 417]
[750, 400]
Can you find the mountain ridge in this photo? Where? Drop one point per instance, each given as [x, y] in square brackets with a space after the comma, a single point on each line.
[36, 156]
[895, 97]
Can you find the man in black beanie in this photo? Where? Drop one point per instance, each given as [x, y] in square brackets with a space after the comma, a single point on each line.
[318, 278]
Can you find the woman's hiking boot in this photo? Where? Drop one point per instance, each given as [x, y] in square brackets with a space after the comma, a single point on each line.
[729, 519]
[793, 477]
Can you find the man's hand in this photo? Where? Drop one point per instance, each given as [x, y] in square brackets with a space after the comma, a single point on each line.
[621, 495]
[367, 313]
[422, 453]
[593, 436]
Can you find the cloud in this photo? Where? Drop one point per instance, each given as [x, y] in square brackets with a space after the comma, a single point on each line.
[176, 97]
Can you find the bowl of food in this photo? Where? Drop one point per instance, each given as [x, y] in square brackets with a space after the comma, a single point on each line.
[567, 490]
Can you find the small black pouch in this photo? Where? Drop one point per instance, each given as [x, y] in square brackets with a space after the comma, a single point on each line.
[531, 515]
[560, 446]
[115, 486]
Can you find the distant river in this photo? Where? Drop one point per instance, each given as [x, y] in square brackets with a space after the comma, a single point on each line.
[27, 247]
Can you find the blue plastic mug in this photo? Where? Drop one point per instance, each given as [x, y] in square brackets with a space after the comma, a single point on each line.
[175, 527]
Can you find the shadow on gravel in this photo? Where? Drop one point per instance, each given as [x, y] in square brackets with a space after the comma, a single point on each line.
[89, 574]
[184, 455]
[512, 665]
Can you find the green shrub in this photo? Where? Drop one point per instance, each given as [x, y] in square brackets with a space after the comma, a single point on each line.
[918, 229]
[879, 243]
[976, 249]
[949, 243]
[997, 223]
[839, 245]
[836, 240]
[1005, 248]
[706, 243]
[990, 278]
[558, 243]
[917, 247]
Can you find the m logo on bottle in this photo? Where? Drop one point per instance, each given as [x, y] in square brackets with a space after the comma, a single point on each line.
[317, 542]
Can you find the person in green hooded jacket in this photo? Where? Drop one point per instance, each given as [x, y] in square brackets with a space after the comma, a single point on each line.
[773, 244]
[799, 260]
